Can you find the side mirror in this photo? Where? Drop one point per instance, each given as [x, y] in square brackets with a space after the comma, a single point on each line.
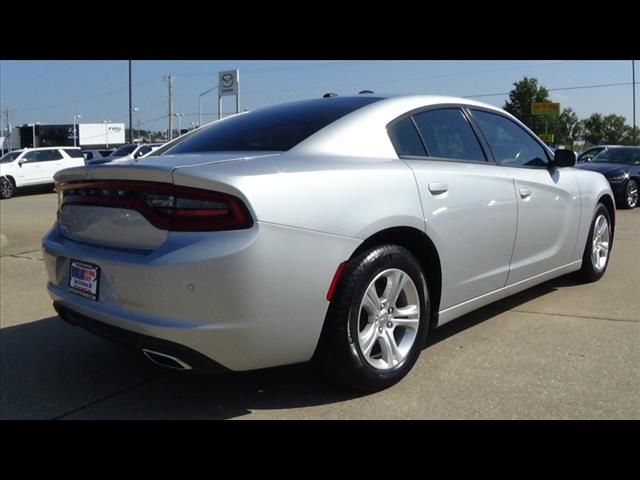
[564, 158]
[21, 161]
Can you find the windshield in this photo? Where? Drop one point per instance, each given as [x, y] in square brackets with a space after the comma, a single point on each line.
[276, 128]
[122, 151]
[10, 157]
[627, 156]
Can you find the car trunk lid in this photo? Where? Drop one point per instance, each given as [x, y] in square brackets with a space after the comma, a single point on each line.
[100, 216]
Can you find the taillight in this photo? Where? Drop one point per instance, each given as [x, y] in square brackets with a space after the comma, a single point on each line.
[166, 206]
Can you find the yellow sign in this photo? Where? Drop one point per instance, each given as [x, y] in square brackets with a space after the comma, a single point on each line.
[546, 137]
[545, 108]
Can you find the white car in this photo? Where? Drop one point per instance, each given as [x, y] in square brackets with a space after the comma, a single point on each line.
[127, 152]
[35, 166]
[96, 154]
[338, 229]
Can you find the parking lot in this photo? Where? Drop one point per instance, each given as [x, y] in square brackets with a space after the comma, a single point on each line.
[561, 350]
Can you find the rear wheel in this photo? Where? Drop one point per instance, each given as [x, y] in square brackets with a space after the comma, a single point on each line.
[378, 320]
[630, 199]
[7, 188]
[598, 248]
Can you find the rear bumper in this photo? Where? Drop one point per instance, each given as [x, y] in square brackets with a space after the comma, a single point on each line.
[137, 341]
[239, 298]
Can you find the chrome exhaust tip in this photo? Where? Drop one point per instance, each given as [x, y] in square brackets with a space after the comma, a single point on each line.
[165, 360]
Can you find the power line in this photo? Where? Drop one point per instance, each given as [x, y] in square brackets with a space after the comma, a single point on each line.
[557, 89]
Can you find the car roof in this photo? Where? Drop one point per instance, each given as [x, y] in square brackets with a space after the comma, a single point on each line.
[31, 149]
[369, 124]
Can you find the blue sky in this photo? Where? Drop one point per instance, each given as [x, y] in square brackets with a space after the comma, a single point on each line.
[53, 91]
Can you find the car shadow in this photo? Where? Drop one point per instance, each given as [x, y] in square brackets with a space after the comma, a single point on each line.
[33, 190]
[50, 370]
[493, 309]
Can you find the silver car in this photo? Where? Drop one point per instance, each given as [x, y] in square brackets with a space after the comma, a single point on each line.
[338, 229]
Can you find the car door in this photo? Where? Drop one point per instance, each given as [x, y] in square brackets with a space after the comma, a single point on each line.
[548, 197]
[30, 169]
[50, 162]
[468, 202]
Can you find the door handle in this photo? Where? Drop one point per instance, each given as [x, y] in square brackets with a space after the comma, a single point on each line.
[525, 192]
[437, 188]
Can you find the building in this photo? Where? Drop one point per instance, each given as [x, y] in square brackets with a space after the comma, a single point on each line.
[88, 135]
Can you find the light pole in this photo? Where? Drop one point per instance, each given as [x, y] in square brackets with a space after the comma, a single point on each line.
[75, 136]
[179, 115]
[200, 103]
[106, 131]
[134, 109]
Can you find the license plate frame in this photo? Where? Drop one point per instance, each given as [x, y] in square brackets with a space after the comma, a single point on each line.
[84, 279]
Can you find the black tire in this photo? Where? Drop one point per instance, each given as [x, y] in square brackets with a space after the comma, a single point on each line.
[629, 200]
[589, 272]
[339, 353]
[7, 188]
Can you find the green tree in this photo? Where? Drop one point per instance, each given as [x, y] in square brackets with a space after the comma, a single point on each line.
[524, 93]
[614, 129]
[568, 128]
[593, 129]
[629, 138]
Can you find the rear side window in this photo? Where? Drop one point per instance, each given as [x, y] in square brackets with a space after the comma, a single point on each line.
[73, 153]
[406, 140]
[510, 144]
[447, 134]
[277, 128]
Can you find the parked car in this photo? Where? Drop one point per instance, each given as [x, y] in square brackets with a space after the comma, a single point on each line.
[621, 167]
[96, 154]
[35, 166]
[587, 155]
[338, 229]
[128, 152]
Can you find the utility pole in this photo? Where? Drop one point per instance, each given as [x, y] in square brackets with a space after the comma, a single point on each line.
[169, 79]
[130, 110]
[8, 127]
[200, 103]
[633, 85]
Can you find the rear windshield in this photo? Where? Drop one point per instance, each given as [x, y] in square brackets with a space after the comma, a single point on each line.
[630, 156]
[277, 128]
[123, 151]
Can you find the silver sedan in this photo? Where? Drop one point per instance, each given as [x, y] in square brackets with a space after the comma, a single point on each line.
[339, 229]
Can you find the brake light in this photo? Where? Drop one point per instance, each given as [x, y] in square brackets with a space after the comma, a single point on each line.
[169, 207]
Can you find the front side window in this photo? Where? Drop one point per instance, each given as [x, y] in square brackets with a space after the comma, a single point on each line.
[33, 156]
[447, 134]
[510, 144]
[589, 154]
[406, 140]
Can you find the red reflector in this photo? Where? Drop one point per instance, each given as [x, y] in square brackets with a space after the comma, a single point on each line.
[335, 280]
